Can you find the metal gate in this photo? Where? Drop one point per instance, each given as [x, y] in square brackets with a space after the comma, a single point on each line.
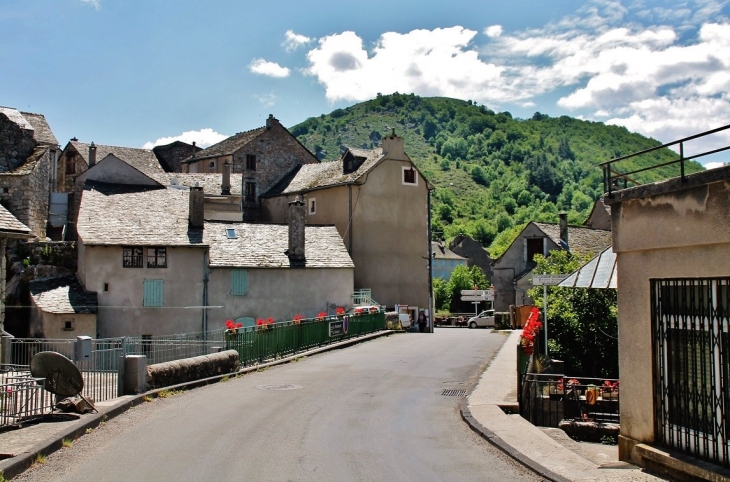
[690, 331]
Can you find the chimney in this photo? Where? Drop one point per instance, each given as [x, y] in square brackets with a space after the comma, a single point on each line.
[226, 184]
[393, 147]
[197, 207]
[194, 149]
[92, 154]
[564, 230]
[271, 121]
[296, 231]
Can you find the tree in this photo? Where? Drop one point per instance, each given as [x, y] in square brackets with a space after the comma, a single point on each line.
[441, 294]
[461, 279]
[582, 323]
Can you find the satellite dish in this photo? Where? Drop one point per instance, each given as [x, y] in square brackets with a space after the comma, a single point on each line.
[60, 374]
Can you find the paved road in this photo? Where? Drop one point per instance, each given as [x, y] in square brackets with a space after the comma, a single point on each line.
[375, 411]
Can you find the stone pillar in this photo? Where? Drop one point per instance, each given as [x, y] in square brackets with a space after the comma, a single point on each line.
[135, 374]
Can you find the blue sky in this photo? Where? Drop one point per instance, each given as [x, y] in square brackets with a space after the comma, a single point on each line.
[140, 72]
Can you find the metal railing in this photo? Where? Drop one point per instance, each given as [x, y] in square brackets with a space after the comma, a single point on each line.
[166, 348]
[258, 344]
[612, 177]
[22, 398]
[546, 400]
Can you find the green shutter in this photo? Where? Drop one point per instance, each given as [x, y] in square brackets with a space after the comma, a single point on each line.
[239, 282]
[153, 294]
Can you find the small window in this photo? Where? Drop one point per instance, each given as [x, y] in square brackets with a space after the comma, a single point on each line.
[70, 166]
[68, 325]
[5, 190]
[231, 233]
[250, 162]
[106, 286]
[250, 192]
[211, 166]
[409, 176]
[153, 292]
[132, 257]
[534, 246]
[312, 206]
[157, 257]
[239, 282]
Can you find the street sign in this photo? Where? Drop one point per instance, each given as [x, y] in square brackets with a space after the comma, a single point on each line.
[471, 292]
[548, 279]
[472, 298]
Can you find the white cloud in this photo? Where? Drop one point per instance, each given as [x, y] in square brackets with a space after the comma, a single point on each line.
[202, 138]
[92, 3]
[493, 31]
[267, 100]
[713, 165]
[293, 40]
[271, 69]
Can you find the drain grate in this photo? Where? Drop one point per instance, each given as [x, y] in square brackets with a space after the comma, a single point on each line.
[284, 386]
[453, 393]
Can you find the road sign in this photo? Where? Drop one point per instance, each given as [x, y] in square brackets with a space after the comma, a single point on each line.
[472, 298]
[548, 279]
[471, 292]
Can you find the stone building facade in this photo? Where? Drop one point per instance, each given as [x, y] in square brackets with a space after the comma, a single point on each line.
[171, 155]
[28, 149]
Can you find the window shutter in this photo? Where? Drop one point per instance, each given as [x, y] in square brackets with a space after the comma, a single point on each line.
[153, 292]
[239, 282]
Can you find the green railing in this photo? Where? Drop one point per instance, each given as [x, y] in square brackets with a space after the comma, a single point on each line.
[261, 343]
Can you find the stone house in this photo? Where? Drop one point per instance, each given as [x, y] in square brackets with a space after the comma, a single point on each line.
[28, 150]
[511, 269]
[10, 229]
[379, 203]
[600, 217]
[159, 268]
[61, 308]
[444, 261]
[475, 254]
[261, 156]
[672, 244]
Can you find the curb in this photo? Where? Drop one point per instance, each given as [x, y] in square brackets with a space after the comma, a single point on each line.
[18, 464]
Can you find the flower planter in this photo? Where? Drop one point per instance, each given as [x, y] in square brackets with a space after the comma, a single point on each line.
[528, 349]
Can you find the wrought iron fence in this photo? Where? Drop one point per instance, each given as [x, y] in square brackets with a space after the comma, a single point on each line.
[257, 344]
[546, 400]
[22, 398]
[165, 348]
[691, 338]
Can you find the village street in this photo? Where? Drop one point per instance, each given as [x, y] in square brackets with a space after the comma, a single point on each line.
[373, 411]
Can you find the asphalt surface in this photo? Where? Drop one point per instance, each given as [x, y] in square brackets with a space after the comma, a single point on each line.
[373, 411]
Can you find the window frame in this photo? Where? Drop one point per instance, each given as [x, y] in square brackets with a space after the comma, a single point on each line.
[312, 206]
[158, 258]
[249, 197]
[132, 259]
[251, 162]
[412, 169]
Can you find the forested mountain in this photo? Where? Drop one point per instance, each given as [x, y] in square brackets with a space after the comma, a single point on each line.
[492, 173]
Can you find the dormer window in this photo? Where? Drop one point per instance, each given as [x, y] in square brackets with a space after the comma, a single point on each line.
[409, 176]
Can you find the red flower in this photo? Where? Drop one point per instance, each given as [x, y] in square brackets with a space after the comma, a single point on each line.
[239, 325]
[298, 317]
[340, 310]
[259, 322]
[230, 325]
[269, 321]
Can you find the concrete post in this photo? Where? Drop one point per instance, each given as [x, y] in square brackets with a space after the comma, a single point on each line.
[135, 374]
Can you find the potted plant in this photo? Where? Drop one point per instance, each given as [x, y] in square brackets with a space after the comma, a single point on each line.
[321, 316]
[529, 332]
[264, 325]
[297, 319]
[340, 312]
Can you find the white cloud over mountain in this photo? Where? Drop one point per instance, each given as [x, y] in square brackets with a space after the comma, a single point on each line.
[661, 71]
[202, 138]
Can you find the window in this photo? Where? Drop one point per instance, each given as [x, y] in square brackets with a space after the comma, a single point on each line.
[239, 282]
[5, 190]
[250, 162]
[409, 176]
[533, 246]
[153, 292]
[250, 192]
[106, 286]
[70, 165]
[132, 257]
[68, 325]
[157, 257]
[211, 166]
[231, 233]
[312, 206]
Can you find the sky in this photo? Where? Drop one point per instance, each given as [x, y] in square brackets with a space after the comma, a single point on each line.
[140, 73]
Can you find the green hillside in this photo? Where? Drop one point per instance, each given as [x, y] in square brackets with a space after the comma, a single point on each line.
[492, 173]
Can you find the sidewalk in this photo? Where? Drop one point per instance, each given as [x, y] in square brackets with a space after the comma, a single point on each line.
[547, 451]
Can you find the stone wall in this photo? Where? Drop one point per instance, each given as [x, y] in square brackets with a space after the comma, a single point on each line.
[190, 369]
[171, 155]
[25, 191]
[65, 180]
[16, 144]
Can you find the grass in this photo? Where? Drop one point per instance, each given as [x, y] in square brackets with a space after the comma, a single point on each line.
[41, 459]
[168, 393]
[89, 430]
[225, 378]
[65, 443]
[147, 398]
[2, 477]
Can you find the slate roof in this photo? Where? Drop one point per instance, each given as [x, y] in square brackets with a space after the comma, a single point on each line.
[9, 223]
[326, 174]
[29, 165]
[15, 116]
[581, 240]
[227, 146]
[210, 182]
[144, 160]
[115, 215]
[43, 133]
[63, 295]
[263, 246]
[442, 252]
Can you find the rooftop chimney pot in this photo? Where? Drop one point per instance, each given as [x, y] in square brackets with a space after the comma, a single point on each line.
[197, 208]
[296, 231]
[92, 154]
[226, 184]
[564, 230]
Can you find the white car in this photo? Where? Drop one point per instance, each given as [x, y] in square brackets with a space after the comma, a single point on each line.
[483, 319]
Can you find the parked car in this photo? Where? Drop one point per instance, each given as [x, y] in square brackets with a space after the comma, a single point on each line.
[483, 319]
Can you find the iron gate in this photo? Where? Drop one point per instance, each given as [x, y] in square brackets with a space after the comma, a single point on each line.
[690, 331]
